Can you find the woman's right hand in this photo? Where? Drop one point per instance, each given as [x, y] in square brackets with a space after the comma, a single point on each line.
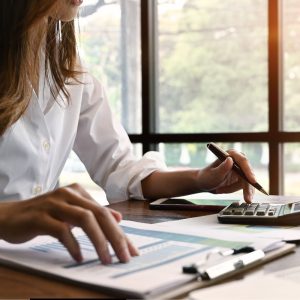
[56, 212]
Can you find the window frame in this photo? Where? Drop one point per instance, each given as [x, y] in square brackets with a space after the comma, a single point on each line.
[275, 137]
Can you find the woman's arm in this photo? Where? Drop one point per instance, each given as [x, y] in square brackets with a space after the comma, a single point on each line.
[55, 213]
[217, 178]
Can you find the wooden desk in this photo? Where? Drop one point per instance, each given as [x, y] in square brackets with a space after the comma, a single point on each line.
[21, 285]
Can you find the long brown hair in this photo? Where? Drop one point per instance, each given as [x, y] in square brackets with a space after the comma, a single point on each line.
[20, 21]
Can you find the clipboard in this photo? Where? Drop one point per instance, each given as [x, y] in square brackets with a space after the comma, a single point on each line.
[226, 268]
[184, 290]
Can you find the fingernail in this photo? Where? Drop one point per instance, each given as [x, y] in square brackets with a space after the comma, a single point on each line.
[125, 256]
[228, 158]
[78, 257]
[134, 251]
[249, 199]
[106, 259]
[137, 251]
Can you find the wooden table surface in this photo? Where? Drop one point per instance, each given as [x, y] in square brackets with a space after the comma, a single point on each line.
[22, 285]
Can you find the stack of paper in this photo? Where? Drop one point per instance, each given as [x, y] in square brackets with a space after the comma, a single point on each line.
[164, 250]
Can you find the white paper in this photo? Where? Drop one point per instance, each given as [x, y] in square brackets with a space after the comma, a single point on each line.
[158, 268]
[210, 226]
[238, 196]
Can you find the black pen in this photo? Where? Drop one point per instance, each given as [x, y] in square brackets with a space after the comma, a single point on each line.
[222, 155]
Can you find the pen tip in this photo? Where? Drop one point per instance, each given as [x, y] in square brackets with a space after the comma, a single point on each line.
[264, 192]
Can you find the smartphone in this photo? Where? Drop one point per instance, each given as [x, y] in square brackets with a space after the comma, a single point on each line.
[214, 205]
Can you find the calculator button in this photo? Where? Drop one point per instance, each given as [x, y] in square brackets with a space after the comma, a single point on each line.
[233, 205]
[272, 211]
[262, 209]
[227, 212]
[250, 211]
[230, 209]
[238, 211]
[261, 212]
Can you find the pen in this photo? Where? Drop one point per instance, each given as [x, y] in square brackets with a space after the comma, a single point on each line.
[195, 267]
[222, 155]
[225, 268]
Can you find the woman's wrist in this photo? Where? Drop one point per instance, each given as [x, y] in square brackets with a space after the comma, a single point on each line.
[162, 184]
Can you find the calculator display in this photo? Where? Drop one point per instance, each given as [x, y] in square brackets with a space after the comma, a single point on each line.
[297, 207]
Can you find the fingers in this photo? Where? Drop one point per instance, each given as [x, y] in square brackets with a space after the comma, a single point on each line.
[121, 244]
[100, 225]
[87, 221]
[54, 213]
[223, 177]
[132, 249]
[116, 236]
[239, 183]
[243, 162]
[223, 169]
[62, 232]
[116, 214]
[214, 175]
[82, 192]
[248, 192]
[234, 182]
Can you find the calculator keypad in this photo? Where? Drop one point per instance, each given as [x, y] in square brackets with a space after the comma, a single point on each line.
[250, 211]
[282, 214]
[253, 209]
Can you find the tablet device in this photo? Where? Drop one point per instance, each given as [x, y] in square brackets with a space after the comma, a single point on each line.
[214, 205]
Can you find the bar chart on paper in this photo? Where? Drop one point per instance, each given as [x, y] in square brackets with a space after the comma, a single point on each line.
[162, 252]
[160, 248]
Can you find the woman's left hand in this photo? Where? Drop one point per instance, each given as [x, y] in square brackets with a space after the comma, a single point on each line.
[219, 177]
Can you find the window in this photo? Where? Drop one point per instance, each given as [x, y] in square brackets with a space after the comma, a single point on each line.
[212, 66]
[181, 73]
[109, 44]
[213, 77]
[221, 74]
[291, 93]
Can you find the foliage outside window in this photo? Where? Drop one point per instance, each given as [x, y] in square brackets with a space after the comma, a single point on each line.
[212, 76]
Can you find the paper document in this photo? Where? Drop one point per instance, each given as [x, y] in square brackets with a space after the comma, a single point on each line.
[210, 226]
[238, 196]
[157, 269]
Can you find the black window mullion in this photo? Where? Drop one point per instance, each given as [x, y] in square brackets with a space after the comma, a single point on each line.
[149, 38]
[275, 97]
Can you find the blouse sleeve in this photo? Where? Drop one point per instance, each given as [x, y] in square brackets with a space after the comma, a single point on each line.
[105, 149]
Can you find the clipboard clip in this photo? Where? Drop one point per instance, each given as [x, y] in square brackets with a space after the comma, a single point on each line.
[225, 268]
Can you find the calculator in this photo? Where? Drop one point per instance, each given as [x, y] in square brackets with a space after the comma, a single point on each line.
[261, 214]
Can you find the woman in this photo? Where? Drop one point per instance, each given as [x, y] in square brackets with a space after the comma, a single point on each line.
[50, 105]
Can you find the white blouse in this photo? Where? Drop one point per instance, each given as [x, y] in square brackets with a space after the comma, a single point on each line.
[34, 150]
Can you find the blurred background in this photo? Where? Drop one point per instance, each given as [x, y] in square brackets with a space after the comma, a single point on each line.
[211, 78]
